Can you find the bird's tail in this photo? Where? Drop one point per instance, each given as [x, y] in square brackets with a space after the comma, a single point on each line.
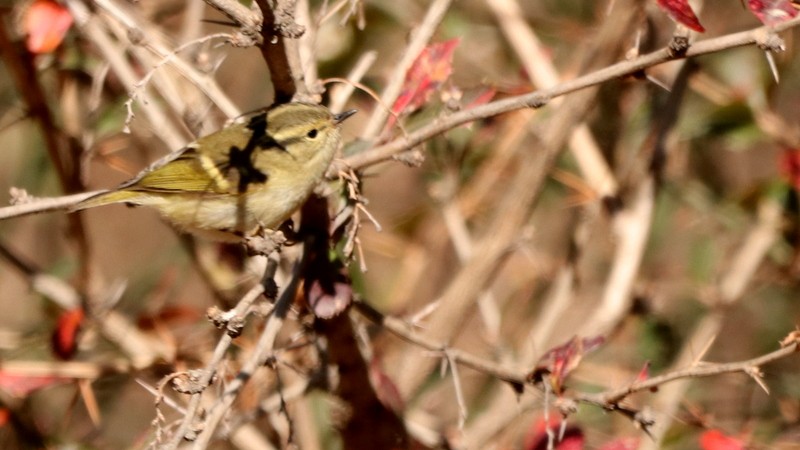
[106, 198]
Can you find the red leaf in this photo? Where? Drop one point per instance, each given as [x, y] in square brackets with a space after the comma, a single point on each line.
[772, 12]
[45, 22]
[717, 440]
[537, 438]
[681, 12]
[5, 416]
[432, 67]
[559, 361]
[65, 336]
[644, 374]
[20, 385]
[789, 165]
[385, 388]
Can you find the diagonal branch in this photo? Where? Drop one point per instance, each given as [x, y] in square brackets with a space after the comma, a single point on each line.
[702, 370]
[539, 98]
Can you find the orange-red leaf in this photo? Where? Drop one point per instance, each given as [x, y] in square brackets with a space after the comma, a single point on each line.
[20, 385]
[65, 336]
[644, 374]
[537, 438]
[717, 440]
[45, 22]
[432, 67]
[682, 12]
[789, 165]
[772, 12]
[559, 361]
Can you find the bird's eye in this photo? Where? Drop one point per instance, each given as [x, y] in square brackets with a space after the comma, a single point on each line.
[312, 133]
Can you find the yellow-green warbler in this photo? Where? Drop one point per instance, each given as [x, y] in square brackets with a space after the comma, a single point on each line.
[254, 173]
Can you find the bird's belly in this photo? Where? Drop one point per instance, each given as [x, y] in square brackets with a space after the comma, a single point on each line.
[242, 214]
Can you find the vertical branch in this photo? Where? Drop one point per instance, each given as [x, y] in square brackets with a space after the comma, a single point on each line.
[305, 47]
[370, 423]
[632, 226]
[279, 25]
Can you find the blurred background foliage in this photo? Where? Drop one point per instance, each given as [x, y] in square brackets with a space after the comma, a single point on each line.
[722, 163]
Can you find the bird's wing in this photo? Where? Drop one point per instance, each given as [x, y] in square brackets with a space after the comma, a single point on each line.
[186, 172]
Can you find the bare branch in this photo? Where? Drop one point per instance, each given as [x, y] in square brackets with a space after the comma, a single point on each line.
[274, 33]
[610, 398]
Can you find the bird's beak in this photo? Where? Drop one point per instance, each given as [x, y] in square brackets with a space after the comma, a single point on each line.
[339, 118]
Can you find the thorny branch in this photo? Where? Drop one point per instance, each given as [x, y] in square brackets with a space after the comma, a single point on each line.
[610, 399]
[232, 321]
[701, 370]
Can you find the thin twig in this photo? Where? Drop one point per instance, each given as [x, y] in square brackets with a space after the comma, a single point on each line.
[632, 227]
[263, 350]
[615, 396]
[462, 404]
[340, 93]
[404, 331]
[169, 57]
[248, 20]
[236, 316]
[45, 204]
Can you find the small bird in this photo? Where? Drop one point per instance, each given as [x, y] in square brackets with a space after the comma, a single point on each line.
[253, 174]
